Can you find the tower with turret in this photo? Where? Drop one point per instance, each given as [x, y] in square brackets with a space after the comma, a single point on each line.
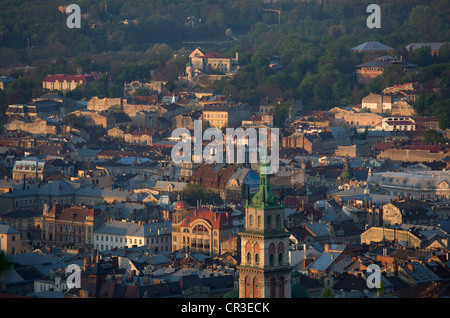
[264, 271]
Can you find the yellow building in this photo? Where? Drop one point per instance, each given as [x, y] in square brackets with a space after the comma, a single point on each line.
[211, 61]
[199, 230]
[220, 116]
[10, 241]
[216, 116]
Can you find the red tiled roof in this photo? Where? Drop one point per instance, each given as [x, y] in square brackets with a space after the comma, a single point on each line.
[218, 220]
[76, 214]
[213, 179]
[292, 203]
[181, 205]
[148, 99]
[399, 122]
[149, 132]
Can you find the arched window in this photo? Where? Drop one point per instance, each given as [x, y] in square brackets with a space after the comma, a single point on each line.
[255, 288]
[272, 288]
[250, 220]
[200, 230]
[257, 259]
[247, 287]
[259, 221]
[280, 258]
[282, 287]
[271, 259]
[280, 247]
[249, 258]
[278, 220]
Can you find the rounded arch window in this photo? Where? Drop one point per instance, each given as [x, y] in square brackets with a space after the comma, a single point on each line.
[249, 258]
[200, 229]
[280, 258]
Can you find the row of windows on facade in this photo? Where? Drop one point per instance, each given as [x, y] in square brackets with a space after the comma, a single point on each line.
[194, 242]
[253, 252]
[102, 247]
[26, 202]
[422, 196]
[253, 284]
[71, 228]
[119, 239]
[218, 115]
[198, 229]
[268, 220]
[52, 287]
[71, 238]
[271, 259]
[27, 167]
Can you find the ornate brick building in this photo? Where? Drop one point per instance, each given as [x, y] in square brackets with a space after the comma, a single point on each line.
[199, 230]
[70, 226]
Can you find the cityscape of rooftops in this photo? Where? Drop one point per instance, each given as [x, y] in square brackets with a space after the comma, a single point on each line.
[225, 153]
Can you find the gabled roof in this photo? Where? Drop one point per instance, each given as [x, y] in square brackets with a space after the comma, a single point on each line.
[218, 220]
[7, 229]
[433, 46]
[372, 46]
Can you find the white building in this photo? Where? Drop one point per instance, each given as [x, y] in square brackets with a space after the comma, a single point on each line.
[122, 234]
[419, 185]
[396, 123]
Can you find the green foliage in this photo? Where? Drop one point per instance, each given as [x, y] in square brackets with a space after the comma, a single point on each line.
[312, 43]
[298, 291]
[433, 136]
[74, 120]
[194, 192]
[328, 293]
[434, 105]
[115, 109]
[281, 113]
[4, 263]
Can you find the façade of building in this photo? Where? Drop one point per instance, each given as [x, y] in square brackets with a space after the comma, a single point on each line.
[70, 225]
[199, 230]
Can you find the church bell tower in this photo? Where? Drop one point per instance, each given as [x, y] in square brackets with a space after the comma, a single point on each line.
[264, 271]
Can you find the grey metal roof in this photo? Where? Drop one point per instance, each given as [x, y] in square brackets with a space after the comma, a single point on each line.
[7, 229]
[134, 229]
[372, 46]
[434, 46]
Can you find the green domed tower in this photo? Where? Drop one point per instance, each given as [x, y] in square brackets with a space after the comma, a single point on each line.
[264, 271]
